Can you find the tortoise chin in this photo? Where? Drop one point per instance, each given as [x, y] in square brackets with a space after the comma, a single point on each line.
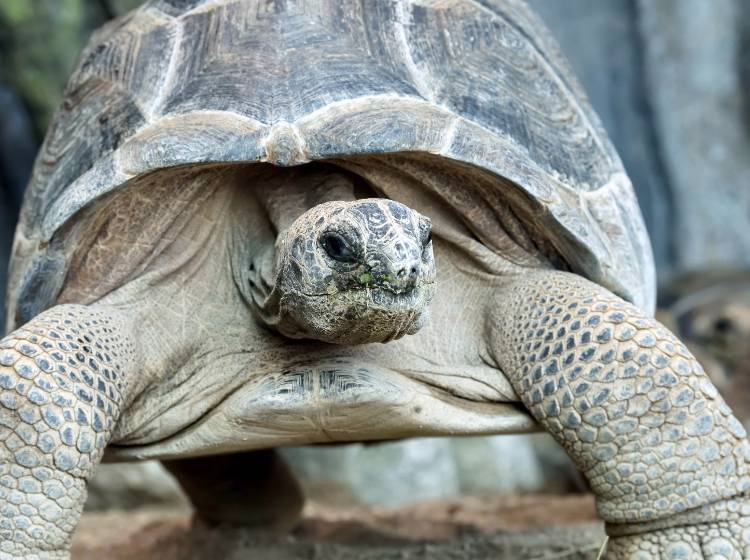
[356, 316]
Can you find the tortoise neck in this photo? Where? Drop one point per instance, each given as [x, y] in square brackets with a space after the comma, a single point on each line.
[286, 194]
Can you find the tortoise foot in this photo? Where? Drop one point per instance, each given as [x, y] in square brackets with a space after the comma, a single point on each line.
[718, 531]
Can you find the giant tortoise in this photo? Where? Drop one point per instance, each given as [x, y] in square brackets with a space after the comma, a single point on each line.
[239, 202]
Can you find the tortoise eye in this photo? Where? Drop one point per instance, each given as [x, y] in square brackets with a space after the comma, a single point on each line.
[338, 247]
[723, 325]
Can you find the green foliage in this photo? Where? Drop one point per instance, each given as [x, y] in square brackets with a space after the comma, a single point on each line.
[16, 11]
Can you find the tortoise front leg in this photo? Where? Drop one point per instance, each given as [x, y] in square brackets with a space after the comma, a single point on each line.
[665, 457]
[62, 380]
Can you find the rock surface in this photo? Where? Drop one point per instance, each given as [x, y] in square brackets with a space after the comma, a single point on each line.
[701, 109]
[501, 528]
[398, 473]
[128, 486]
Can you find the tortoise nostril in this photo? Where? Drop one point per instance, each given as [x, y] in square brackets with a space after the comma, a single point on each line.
[411, 272]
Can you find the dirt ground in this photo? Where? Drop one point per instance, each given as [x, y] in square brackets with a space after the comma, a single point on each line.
[502, 528]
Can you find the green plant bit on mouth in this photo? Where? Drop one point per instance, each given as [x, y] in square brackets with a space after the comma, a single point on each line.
[365, 278]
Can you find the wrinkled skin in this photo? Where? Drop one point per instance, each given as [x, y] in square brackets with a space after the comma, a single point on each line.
[660, 448]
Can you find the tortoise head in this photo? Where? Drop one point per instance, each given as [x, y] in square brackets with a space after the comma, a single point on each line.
[351, 272]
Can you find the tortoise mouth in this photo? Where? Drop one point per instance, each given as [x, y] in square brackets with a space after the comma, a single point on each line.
[386, 297]
[355, 316]
[380, 293]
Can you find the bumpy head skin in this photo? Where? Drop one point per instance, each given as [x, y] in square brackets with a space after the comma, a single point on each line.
[351, 272]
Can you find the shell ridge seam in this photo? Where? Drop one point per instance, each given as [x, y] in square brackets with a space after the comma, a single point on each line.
[417, 75]
[169, 76]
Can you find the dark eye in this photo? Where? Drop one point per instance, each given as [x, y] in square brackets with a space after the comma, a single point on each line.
[723, 325]
[337, 247]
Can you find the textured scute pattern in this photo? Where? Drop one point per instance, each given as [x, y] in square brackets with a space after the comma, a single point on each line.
[728, 538]
[61, 386]
[189, 82]
[624, 397]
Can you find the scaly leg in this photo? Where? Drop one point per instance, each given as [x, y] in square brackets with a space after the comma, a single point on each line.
[254, 488]
[665, 457]
[62, 380]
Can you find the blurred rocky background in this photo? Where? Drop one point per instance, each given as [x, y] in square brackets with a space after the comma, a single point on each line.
[671, 83]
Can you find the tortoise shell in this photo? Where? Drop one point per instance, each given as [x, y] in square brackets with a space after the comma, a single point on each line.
[474, 85]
